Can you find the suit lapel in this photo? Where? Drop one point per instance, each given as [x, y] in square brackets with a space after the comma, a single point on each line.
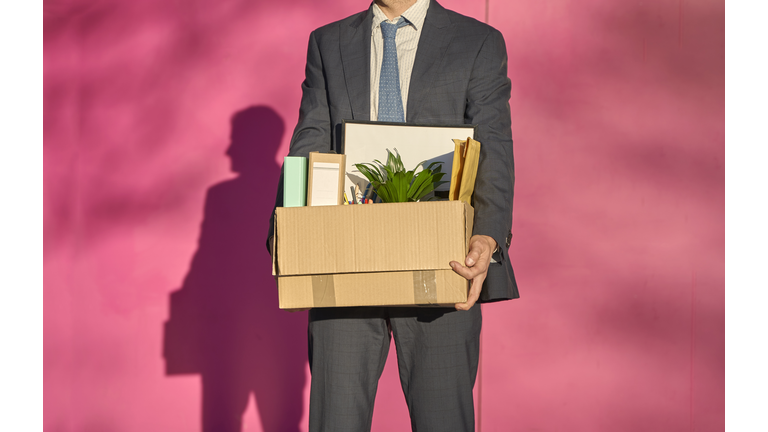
[355, 45]
[434, 40]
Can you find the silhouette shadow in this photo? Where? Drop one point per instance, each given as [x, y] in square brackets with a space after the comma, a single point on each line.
[224, 321]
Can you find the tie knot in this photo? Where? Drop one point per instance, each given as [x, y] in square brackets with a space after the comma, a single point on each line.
[389, 30]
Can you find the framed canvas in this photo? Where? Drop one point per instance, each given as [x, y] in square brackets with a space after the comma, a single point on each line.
[364, 141]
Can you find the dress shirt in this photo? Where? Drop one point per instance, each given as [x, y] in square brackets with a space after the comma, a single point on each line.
[407, 41]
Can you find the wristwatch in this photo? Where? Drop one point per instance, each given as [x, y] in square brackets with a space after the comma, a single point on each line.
[496, 255]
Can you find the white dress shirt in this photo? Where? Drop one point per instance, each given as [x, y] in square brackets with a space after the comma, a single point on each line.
[407, 41]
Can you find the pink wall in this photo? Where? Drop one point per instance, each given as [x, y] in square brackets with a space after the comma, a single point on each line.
[618, 120]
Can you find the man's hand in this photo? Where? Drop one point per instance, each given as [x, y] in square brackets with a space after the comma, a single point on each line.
[478, 259]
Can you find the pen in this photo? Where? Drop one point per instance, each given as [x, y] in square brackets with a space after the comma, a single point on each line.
[346, 201]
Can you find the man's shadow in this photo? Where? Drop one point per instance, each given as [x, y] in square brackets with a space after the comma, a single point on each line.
[224, 321]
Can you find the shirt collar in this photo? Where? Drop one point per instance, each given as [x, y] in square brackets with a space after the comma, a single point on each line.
[415, 14]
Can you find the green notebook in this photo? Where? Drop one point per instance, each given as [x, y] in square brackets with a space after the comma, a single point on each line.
[294, 181]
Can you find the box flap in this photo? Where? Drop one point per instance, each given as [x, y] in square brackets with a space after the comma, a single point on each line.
[371, 237]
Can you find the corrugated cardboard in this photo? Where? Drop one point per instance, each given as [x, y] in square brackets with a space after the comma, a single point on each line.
[371, 254]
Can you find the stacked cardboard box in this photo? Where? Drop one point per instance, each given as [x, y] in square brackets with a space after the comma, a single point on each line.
[371, 255]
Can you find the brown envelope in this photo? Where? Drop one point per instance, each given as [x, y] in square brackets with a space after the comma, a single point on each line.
[466, 157]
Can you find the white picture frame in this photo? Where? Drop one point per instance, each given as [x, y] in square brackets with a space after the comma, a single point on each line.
[364, 141]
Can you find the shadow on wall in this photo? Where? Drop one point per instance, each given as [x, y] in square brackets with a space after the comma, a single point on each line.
[224, 321]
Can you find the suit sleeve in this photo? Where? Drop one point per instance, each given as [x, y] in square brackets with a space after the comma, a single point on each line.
[313, 130]
[488, 107]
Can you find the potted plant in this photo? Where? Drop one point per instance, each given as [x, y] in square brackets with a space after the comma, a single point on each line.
[392, 183]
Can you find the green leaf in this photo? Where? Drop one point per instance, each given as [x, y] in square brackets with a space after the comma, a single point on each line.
[439, 166]
[392, 183]
[399, 186]
[409, 178]
[372, 174]
[383, 192]
[389, 174]
[404, 184]
[399, 162]
[391, 163]
[421, 179]
[437, 176]
[392, 192]
[429, 185]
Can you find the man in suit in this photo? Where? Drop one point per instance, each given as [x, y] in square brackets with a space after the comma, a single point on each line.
[448, 69]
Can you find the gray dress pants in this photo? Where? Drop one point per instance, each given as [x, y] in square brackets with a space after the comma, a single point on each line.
[437, 356]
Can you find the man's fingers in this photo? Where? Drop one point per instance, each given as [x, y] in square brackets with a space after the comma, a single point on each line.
[478, 247]
[467, 273]
[477, 262]
[472, 257]
[473, 295]
[476, 277]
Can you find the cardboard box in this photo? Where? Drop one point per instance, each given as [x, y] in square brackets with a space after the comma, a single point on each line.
[371, 254]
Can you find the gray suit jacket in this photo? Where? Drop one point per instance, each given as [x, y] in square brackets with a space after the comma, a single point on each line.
[459, 77]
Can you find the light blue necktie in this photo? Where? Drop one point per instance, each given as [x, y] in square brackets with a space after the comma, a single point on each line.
[390, 100]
